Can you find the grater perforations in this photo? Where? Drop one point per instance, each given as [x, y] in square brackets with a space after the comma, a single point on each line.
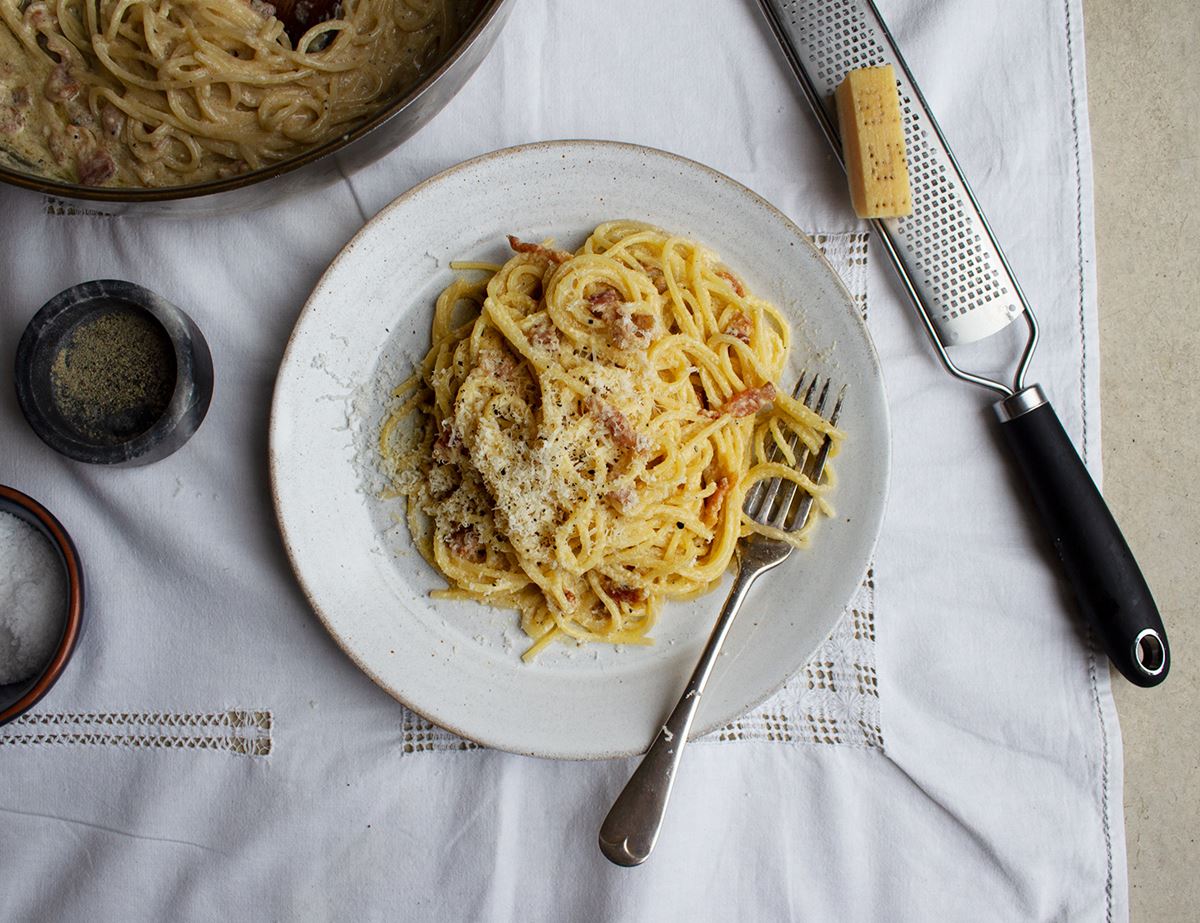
[952, 268]
[945, 245]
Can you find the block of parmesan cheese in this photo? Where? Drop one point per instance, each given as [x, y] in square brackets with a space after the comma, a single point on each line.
[872, 132]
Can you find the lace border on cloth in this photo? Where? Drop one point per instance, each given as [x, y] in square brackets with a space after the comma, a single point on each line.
[245, 733]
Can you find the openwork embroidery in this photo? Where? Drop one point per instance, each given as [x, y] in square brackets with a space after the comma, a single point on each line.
[419, 736]
[835, 698]
[246, 733]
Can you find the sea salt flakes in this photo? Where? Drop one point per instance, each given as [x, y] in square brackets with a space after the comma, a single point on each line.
[33, 600]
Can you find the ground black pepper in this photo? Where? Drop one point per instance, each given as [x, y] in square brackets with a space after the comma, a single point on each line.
[113, 375]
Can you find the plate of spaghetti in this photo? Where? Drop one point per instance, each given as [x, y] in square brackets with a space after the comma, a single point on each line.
[515, 424]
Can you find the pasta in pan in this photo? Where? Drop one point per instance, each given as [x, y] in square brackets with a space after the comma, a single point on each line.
[172, 92]
[579, 440]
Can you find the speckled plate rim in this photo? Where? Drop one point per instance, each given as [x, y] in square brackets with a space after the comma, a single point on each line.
[509, 740]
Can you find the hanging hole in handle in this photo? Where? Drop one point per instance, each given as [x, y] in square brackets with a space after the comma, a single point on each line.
[1149, 653]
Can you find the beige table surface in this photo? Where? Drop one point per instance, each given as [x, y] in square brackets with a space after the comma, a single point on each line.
[1143, 62]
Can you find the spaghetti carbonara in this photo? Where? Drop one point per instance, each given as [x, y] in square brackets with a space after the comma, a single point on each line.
[579, 440]
[171, 92]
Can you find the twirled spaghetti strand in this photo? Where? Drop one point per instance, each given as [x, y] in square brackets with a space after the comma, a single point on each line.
[171, 92]
[580, 437]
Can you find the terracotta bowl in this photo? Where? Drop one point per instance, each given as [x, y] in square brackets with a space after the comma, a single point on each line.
[18, 698]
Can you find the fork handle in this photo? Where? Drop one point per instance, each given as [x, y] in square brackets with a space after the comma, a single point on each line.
[1110, 589]
[631, 828]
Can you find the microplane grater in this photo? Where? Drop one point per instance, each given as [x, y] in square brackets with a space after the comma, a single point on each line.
[945, 250]
[956, 275]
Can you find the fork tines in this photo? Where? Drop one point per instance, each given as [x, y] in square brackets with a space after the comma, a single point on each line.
[773, 502]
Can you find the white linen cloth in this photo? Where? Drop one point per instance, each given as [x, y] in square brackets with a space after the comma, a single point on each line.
[211, 754]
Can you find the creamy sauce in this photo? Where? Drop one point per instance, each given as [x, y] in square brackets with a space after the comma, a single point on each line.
[171, 92]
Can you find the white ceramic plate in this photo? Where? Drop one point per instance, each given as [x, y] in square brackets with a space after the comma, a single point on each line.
[367, 322]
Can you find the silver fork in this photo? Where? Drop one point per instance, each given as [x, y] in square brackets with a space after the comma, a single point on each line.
[631, 828]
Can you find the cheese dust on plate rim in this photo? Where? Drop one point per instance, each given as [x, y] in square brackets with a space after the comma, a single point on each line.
[454, 661]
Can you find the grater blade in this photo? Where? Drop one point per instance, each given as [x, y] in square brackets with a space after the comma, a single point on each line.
[945, 252]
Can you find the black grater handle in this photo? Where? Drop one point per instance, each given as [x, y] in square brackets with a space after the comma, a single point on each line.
[1110, 589]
